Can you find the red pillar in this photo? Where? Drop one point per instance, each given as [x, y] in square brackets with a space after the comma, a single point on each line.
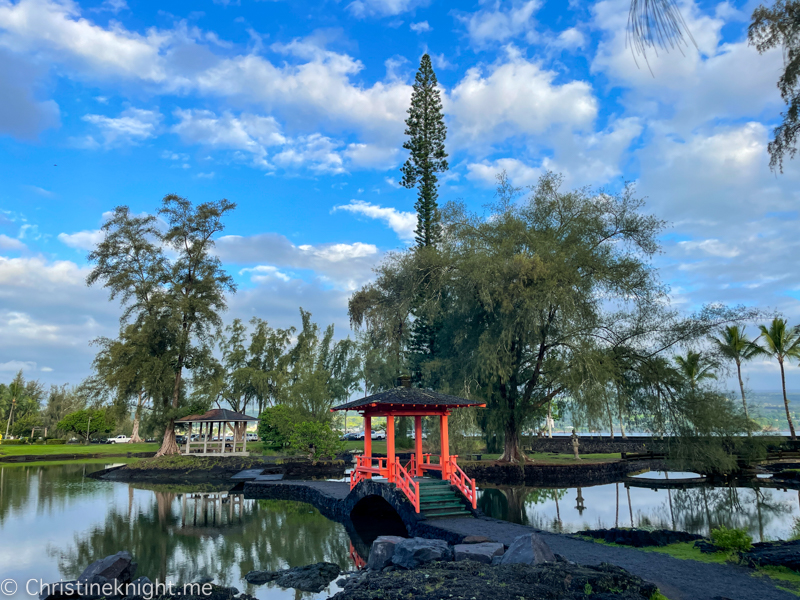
[418, 444]
[367, 435]
[445, 449]
[390, 446]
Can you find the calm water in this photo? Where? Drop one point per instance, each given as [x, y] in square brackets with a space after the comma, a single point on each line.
[54, 521]
[767, 514]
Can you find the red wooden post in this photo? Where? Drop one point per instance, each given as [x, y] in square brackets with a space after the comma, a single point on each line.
[368, 439]
[444, 457]
[418, 439]
[390, 446]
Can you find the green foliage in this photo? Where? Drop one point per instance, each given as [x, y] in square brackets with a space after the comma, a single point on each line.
[316, 439]
[275, 426]
[779, 27]
[587, 589]
[13, 442]
[731, 540]
[87, 422]
[173, 302]
[780, 342]
[19, 400]
[426, 133]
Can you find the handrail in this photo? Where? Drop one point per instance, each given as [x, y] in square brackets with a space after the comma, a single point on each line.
[406, 484]
[465, 485]
[411, 465]
[365, 469]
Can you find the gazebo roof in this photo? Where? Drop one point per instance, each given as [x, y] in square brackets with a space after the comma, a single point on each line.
[217, 414]
[408, 397]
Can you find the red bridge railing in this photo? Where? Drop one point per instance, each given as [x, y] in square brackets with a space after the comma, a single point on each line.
[406, 484]
[464, 484]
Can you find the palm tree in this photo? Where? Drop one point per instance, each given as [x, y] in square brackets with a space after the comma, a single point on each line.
[696, 367]
[734, 345]
[781, 342]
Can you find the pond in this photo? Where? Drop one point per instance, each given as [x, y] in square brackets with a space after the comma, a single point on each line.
[766, 513]
[54, 521]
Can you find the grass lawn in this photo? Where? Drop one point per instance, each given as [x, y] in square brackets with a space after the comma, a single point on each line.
[43, 450]
[79, 461]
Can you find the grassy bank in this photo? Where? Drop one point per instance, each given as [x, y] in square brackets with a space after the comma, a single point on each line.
[43, 450]
[79, 461]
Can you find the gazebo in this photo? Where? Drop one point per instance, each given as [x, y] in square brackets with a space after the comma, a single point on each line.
[404, 401]
[224, 421]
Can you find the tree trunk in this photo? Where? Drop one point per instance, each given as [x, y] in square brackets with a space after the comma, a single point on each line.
[786, 402]
[169, 446]
[11, 415]
[135, 439]
[550, 419]
[741, 388]
[621, 424]
[511, 450]
[610, 420]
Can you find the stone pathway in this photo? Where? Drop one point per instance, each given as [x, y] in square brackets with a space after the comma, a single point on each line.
[677, 579]
[337, 490]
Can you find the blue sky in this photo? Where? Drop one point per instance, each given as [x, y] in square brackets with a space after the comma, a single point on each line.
[294, 110]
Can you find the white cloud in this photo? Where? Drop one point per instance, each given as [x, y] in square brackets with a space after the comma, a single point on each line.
[82, 240]
[315, 152]
[345, 266]
[516, 97]
[265, 273]
[519, 173]
[713, 247]
[500, 23]
[571, 38]
[15, 366]
[9, 243]
[134, 125]
[46, 369]
[402, 223]
[421, 27]
[382, 8]
[372, 156]
[112, 6]
[22, 115]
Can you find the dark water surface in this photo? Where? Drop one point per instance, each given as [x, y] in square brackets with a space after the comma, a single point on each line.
[54, 521]
[766, 513]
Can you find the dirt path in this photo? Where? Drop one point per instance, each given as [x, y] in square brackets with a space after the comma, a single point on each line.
[677, 579]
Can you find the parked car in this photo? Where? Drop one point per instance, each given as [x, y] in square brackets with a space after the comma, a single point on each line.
[180, 440]
[120, 439]
[352, 436]
[378, 435]
[252, 437]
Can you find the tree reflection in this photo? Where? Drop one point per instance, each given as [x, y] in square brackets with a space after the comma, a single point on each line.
[179, 537]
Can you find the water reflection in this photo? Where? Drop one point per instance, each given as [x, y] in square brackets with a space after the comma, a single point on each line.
[60, 521]
[766, 513]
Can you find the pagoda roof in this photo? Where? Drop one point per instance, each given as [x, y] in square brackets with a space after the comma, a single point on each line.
[217, 414]
[408, 397]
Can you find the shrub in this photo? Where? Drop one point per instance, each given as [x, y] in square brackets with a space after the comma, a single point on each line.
[317, 439]
[275, 426]
[55, 442]
[731, 540]
[12, 442]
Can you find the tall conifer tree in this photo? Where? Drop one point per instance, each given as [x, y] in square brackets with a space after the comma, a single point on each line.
[426, 133]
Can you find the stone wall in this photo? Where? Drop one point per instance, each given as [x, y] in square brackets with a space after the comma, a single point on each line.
[557, 475]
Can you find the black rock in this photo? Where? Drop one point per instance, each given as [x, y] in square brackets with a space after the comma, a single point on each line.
[640, 538]
[777, 554]
[705, 547]
[411, 553]
[261, 577]
[311, 578]
[117, 567]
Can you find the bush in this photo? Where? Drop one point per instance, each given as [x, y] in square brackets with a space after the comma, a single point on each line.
[275, 426]
[317, 439]
[731, 540]
[13, 442]
[55, 442]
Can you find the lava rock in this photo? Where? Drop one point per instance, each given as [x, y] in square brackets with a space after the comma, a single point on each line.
[311, 578]
[528, 550]
[705, 547]
[778, 554]
[641, 538]
[141, 586]
[411, 553]
[261, 577]
[482, 553]
[468, 579]
[380, 555]
[476, 539]
[117, 567]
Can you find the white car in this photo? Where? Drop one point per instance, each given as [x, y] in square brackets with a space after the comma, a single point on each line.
[378, 435]
[120, 439]
[252, 437]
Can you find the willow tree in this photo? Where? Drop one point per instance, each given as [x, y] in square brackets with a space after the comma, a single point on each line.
[181, 293]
